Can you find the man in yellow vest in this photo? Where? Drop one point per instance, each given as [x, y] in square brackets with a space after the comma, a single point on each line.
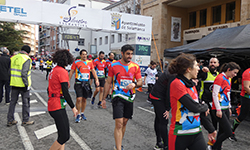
[207, 76]
[49, 67]
[20, 82]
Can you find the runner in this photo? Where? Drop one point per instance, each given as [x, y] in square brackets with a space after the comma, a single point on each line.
[150, 77]
[123, 73]
[91, 75]
[41, 64]
[58, 96]
[185, 130]
[245, 102]
[159, 97]
[82, 88]
[49, 67]
[207, 77]
[99, 64]
[221, 101]
[108, 64]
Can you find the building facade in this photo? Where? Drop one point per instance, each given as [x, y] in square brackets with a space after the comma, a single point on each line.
[30, 37]
[179, 22]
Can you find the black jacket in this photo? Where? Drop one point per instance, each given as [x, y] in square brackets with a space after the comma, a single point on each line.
[5, 67]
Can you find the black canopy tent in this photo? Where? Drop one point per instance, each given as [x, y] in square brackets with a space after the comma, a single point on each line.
[230, 44]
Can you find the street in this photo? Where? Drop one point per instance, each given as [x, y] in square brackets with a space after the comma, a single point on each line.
[94, 134]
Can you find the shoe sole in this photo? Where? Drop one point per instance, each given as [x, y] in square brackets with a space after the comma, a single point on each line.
[232, 140]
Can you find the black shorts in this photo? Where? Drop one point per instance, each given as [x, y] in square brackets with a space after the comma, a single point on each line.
[62, 125]
[80, 91]
[91, 75]
[122, 108]
[101, 82]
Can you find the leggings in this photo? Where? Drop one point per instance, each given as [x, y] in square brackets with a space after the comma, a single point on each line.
[225, 129]
[150, 87]
[161, 123]
[190, 142]
[62, 125]
[245, 107]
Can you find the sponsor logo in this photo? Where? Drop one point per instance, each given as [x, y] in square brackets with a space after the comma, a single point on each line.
[143, 39]
[16, 11]
[139, 60]
[71, 18]
[116, 20]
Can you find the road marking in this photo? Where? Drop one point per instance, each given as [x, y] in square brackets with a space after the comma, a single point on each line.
[24, 136]
[31, 102]
[45, 131]
[37, 113]
[82, 144]
[146, 110]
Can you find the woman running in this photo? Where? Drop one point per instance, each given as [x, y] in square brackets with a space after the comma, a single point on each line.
[58, 96]
[221, 101]
[185, 129]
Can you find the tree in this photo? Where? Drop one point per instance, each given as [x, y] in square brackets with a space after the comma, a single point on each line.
[11, 38]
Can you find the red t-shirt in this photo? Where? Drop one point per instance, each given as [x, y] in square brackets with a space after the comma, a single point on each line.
[124, 74]
[84, 67]
[245, 77]
[57, 76]
[99, 67]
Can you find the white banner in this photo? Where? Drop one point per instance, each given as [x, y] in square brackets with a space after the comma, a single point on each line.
[139, 39]
[39, 12]
[141, 60]
[175, 29]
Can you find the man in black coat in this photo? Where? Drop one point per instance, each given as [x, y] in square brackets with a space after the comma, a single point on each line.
[5, 75]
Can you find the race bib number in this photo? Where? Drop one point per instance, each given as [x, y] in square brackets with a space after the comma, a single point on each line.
[84, 76]
[100, 73]
[124, 83]
[153, 79]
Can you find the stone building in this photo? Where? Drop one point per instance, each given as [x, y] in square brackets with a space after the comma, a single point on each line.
[194, 19]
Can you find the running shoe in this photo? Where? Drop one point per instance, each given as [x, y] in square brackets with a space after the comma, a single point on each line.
[99, 104]
[14, 122]
[233, 138]
[209, 147]
[28, 123]
[116, 148]
[93, 101]
[77, 119]
[159, 146]
[148, 101]
[211, 142]
[83, 117]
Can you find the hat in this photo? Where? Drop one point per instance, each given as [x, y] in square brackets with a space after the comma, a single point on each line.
[26, 48]
[90, 56]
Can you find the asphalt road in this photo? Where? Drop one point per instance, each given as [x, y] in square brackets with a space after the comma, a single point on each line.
[94, 134]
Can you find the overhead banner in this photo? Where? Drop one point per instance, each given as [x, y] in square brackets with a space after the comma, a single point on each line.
[55, 14]
[176, 29]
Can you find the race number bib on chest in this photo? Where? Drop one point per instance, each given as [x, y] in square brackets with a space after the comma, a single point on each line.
[100, 73]
[124, 83]
[84, 76]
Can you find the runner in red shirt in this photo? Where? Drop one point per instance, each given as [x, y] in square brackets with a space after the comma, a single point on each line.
[82, 70]
[185, 130]
[59, 96]
[100, 65]
[245, 102]
[123, 73]
[221, 107]
[109, 61]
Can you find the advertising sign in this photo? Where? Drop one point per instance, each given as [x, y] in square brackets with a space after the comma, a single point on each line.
[176, 29]
[72, 37]
[142, 50]
[139, 39]
[73, 16]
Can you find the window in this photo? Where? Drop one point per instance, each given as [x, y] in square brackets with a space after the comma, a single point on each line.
[230, 11]
[216, 14]
[81, 42]
[119, 37]
[112, 38]
[100, 41]
[81, 5]
[106, 40]
[192, 19]
[203, 17]
[95, 41]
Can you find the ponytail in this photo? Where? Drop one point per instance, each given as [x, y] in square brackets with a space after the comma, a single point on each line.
[231, 65]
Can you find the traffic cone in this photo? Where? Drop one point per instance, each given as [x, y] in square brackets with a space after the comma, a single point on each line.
[139, 89]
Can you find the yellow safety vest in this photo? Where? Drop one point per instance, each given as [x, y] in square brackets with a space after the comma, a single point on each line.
[49, 64]
[16, 67]
[210, 79]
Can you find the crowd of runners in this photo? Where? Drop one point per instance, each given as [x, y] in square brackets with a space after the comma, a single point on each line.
[194, 95]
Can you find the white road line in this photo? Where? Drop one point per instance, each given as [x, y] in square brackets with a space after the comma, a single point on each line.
[31, 102]
[45, 131]
[24, 136]
[37, 113]
[146, 110]
[82, 144]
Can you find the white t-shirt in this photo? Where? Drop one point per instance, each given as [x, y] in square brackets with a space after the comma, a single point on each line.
[150, 79]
